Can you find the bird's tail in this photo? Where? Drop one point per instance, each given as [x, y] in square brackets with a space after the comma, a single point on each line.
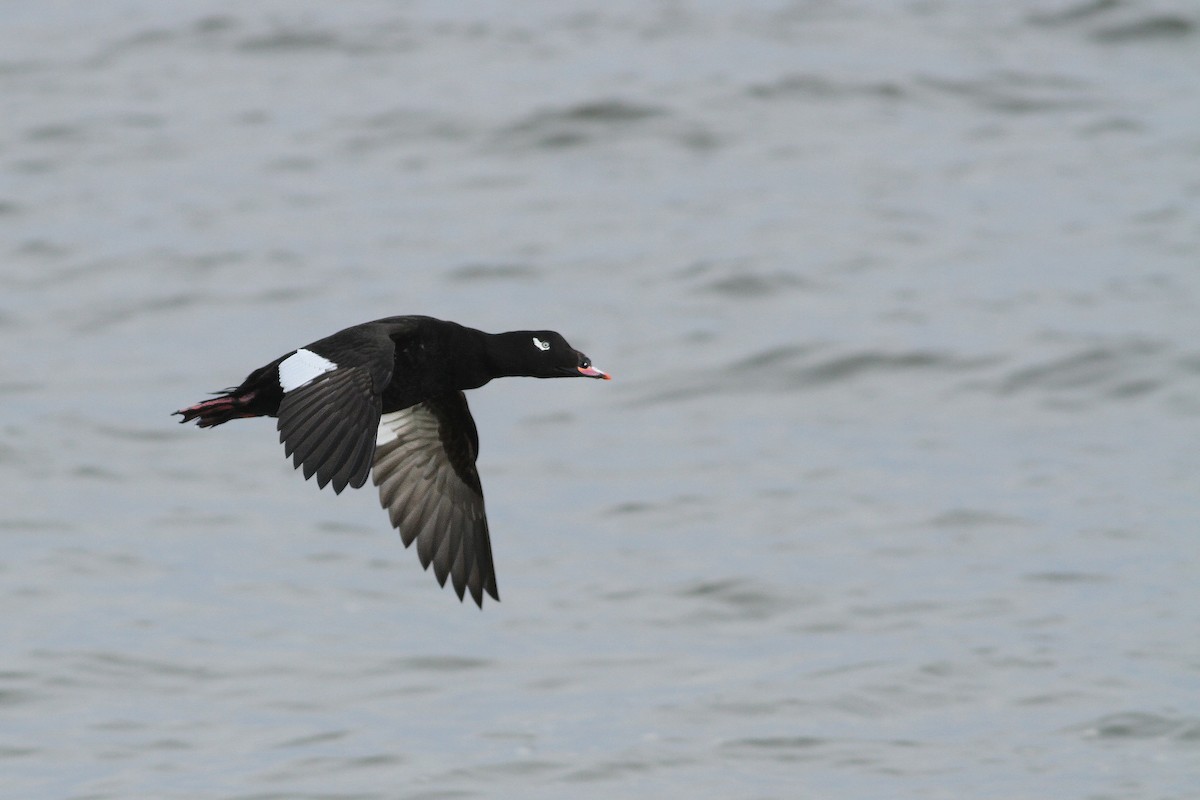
[219, 409]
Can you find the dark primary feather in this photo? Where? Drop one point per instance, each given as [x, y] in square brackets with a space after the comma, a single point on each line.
[328, 426]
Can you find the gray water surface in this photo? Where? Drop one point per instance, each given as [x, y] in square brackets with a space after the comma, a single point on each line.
[894, 494]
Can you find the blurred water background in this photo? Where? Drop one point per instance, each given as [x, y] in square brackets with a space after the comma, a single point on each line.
[894, 494]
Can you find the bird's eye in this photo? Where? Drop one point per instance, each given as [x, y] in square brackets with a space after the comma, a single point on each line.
[585, 363]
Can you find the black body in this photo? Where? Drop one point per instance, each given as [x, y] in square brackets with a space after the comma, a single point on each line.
[388, 395]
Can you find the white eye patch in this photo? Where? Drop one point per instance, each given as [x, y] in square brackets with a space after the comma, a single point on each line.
[540, 345]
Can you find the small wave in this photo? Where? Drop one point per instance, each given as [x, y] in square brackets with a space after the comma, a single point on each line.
[800, 367]
[493, 272]
[819, 87]
[1135, 26]
[66, 133]
[737, 280]
[972, 518]
[1077, 13]
[1118, 370]
[432, 664]
[601, 121]
[777, 367]
[1165, 26]
[1017, 92]
[776, 743]
[290, 40]
[579, 124]
[402, 126]
[1141, 725]
[734, 599]
[854, 365]
[1067, 576]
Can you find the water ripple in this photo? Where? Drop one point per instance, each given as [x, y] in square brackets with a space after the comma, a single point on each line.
[1119, 369]
[798, 367]
[1142, 725]
[493, 272]
[1017, 92]
[601, 121]
[823, 88]
[1160, 26]
[1115, 22]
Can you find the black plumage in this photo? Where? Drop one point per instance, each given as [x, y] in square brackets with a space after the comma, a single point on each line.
[387, 396]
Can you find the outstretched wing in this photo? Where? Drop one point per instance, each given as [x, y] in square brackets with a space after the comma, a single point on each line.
[332, 398]
[425, 470]
[328, 426]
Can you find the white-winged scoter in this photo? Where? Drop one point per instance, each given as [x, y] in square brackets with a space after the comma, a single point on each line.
[388, 395]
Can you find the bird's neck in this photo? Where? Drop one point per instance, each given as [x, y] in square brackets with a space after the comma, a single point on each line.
[502, 353]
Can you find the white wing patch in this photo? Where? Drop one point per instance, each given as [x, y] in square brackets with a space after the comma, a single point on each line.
[301, 367]
[390, 426]
[540, 345]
